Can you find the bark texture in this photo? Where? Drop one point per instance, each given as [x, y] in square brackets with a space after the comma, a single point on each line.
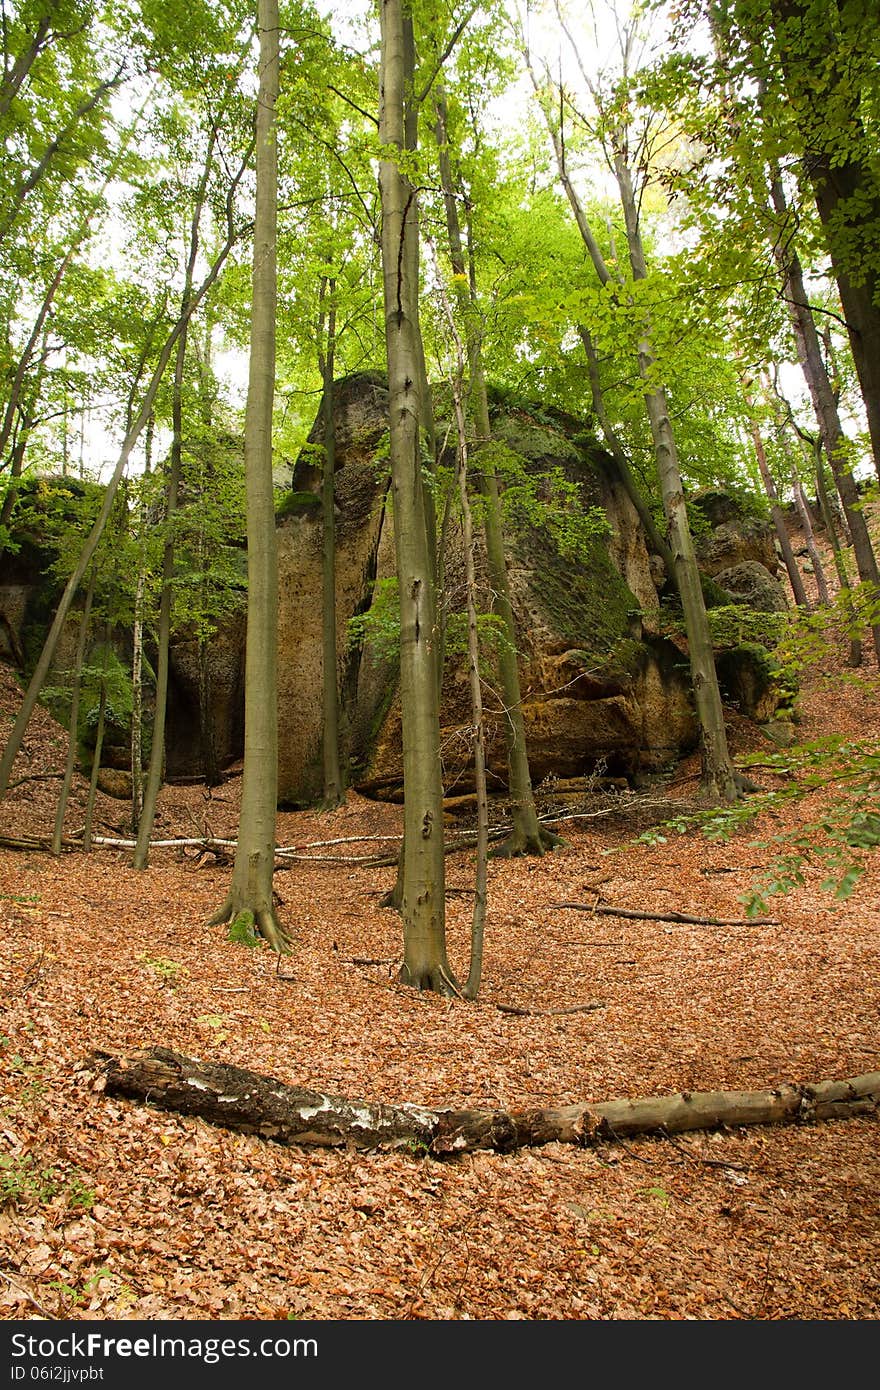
[422, 902]
[250, 1103]
[252, 878]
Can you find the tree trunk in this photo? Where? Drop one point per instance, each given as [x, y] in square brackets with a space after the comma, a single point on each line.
[528, 835]
[333, 792]
[96, 764]
[157, 747]
[137, 653]
[14, 76]
[252, 878]
[250, 1103]
[825, 405]
[478, 921]
[207, 742]
[15, 388]
[800, 501]
[855, 641]
[719, 781]
[73, 724]
[791, 565]
[619, 457]
[803, 512]
[718, 778]
[425, 964]
[828, 105]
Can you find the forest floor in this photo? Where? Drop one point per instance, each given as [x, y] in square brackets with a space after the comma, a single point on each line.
[111, 1209]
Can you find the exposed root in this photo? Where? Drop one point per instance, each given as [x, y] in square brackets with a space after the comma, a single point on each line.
[265, 922]
[222, 915]
[518, 843]
[273, 932]
[436, 979]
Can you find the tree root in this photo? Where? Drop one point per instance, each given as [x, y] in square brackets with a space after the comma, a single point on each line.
[436, 979]
[264, 921]
[519, 843]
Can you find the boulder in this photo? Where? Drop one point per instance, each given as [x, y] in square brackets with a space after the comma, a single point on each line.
[753, 681]
[752, 585]
[727, 533]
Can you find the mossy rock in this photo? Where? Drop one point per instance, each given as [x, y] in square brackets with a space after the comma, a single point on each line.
[752, 678]
[298, 504]
[588, 604]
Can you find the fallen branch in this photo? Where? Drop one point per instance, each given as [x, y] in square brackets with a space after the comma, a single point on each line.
[254, 1104]
[604, 910]
[368, 960]
[25, 1293]
[34, 777]
[548, 1013]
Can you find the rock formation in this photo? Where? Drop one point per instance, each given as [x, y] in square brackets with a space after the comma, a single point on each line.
[603, 688]
[600, 685]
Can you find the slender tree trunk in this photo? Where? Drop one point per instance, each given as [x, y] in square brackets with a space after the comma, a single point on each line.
[825, 405]
[73, 723]
[800, 500]
[333, 793]
[528, 836]
[14, 78]
[137, 656]
[96, 762]
[425, 964]
[21, 433]
[35, 174]
[16, 385]
[619, 457]
[157, 747]
[251, 891]
[791, 565]
[207, 742]
[719, 780]
[855, 641]
[803, 512]
[163, 636]
[478, 921]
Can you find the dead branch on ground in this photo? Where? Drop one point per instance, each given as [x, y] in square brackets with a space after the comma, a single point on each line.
[606, 910]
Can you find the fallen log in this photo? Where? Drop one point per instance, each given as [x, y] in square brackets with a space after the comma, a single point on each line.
[607, 910]
[251, 1103]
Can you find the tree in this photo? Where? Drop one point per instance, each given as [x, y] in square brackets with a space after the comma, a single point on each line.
[251, 891]
[830, 85]
[527, 835]
[614, 118]
[333, 786]
[132, 435]
[422, 905]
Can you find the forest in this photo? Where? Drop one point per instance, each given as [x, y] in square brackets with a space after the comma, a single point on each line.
[439, 647]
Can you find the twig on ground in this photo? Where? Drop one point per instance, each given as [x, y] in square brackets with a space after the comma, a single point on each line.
[698, 1158]
[28, 1295]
